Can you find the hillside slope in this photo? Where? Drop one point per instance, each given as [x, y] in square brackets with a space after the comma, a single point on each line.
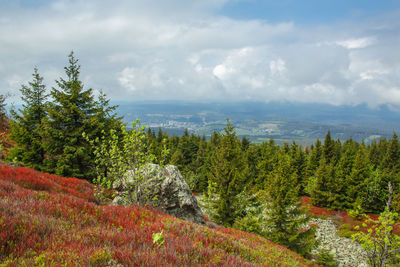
[47, 220]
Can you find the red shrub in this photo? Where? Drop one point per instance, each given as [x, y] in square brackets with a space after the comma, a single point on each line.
[52, 221]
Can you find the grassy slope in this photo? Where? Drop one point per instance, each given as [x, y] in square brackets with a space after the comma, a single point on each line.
[47, 220]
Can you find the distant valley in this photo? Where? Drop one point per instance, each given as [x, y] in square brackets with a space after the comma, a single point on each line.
[259, 121]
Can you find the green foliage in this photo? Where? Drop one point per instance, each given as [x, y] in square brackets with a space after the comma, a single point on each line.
[158, 238]
[117, 153]
[71, 113]
[227, 175]
[26, 126]
[345, 230]
[310, 186]
[286, 218]
[357, 212]
[380, 243]
[325, 258]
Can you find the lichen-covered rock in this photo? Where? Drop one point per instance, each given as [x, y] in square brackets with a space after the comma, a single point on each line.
[347, 252]
[162, 188]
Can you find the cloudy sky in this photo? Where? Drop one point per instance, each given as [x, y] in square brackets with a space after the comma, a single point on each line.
[333, 51]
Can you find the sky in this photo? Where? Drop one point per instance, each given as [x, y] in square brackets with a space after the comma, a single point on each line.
[340, 52]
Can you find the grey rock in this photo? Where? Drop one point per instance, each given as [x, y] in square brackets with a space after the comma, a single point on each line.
[347, 252]
[163, 188]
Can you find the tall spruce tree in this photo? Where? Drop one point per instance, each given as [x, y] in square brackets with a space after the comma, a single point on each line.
[322, 192]
[268, 161]
[285, 216]
[356, 181]
[329, 148]
[26, 125]
[227, 175]
[70, 114]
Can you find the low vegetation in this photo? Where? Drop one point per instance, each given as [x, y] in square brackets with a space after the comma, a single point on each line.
[47, 220]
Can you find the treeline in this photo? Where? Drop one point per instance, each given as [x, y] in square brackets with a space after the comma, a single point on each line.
[336, 175]
[48, 133]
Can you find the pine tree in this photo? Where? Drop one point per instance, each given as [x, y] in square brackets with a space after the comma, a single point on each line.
[26, 125]
[70, 115]
[286, 219]
[227, 174]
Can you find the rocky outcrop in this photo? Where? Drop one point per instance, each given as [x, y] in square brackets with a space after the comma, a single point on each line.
[347, 252]
[163, 188]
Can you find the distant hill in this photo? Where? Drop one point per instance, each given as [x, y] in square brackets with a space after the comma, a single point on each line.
[284, 122]
[47, 220]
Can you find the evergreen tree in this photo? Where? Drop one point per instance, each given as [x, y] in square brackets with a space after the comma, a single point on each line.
[26, 125]
[359, 175]
[253, 155]
[245, 143]
[321, 193]
[391, 160]
[70, 115]
[346, 161]
[267, 163]
[285, 216]
[2, 106]
[329, 148]
[298, 163]
[312, 165]
[227, 174]
[200, 167]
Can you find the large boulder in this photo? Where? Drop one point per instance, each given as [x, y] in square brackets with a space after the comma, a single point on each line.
[163, 188]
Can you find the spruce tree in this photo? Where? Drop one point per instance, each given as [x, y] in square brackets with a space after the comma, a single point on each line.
[227, 175]
[391, 160]
[329, 148]
[321, 194]
[70, 115]
[2, 106]
[359, 174]
[286, 219]
[26, 130]
[267, 162]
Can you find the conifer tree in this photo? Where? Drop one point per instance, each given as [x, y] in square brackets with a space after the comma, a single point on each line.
[298, 162]
[26, 125]
[313, 161]
[321, 193]
[70, 114]
[286, 219]
[227, 174]
[359, 174]
[391, 160]
[2, 106]
[267, 162]
[329, 148]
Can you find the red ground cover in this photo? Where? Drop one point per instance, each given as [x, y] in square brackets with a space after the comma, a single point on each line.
[47, 220]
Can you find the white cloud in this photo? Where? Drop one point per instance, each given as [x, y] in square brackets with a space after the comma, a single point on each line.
[185, 50]
[277, 67]
[357, 43]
